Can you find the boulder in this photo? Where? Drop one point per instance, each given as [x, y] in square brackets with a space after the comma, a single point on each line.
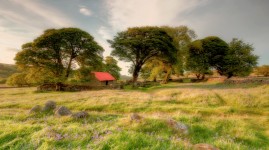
[181, 127]
[49, 106]
[135, 117]
[203, 146]
[35, 109]
[62, 111]
[81, 114]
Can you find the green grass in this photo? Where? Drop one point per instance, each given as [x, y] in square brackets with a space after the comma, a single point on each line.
[226, 116]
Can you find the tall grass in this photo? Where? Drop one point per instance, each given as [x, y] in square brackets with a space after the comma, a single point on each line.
[226, 116]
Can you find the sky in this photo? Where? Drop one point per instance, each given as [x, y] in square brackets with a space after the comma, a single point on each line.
[22, 21]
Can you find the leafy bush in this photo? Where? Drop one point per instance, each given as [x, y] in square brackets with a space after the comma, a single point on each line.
[262, 70]
[17, 79]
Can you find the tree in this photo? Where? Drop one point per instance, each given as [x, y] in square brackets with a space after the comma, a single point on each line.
[215, 50]
[239, 60]
[56, 50]
[197, 60]
[205, 54]
[112, 67]
[235, 59]
[181, 36]
[262, 70]
[139, 44]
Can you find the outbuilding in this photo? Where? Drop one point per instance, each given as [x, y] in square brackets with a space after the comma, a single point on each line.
[102, 78]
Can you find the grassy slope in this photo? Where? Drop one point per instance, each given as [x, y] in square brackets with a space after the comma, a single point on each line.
[227, 116]
[6, 70]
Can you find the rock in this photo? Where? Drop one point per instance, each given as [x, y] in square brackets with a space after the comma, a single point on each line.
[81, 114]
[35, 109]
[49, 106]
[178, 126]
[203, 146]
[63, 111]
[135, 117]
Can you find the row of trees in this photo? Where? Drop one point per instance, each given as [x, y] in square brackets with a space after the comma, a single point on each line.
[161, 51]
[60, 54]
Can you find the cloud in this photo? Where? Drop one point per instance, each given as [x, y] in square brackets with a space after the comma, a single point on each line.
[123, 14]
[21, 21]
[85, 11]
[45, 12]
[105, 33]
[12, 49]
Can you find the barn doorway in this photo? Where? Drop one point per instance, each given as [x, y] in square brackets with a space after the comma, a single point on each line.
[106, 82]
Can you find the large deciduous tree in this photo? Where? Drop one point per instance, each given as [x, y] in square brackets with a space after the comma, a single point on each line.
[235, 59]
[139, 44]
[56, 50]
[239, 60]
[197, 60]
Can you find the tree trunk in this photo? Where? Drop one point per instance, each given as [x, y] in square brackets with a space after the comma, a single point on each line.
[167, 75]
[198, 75]
[68, 68]
[229, 75]
[155, 79]
[203, 76]
[136, 73]
[69, 65]
[59, 86]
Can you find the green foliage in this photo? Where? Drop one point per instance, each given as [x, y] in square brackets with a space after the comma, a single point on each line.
[235, 59]
[215, 50]
[160, 66]
[139, 44]
[239, 60]
[197, 60]
[112, 67]
[83, 74]
[17, 79]
[57, 50]
[262, 70]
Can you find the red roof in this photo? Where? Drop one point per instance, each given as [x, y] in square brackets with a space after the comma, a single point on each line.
[103, 76]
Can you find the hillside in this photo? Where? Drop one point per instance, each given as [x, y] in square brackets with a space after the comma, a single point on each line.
[6, 70]
[225, 116]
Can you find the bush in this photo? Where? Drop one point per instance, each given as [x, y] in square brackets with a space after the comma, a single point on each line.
[3, 81]
[262, 70]
[17, 79]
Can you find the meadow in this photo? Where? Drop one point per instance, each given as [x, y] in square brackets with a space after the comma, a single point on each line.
[224, 115]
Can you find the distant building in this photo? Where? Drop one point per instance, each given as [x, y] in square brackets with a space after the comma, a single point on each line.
[102, 78]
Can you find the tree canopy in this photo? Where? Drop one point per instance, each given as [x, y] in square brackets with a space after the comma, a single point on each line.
[233, 59]
[239, 60]
[181, 36]
[57, 50]
[139, 44]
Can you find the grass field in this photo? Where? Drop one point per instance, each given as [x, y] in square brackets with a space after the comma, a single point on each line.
[226, 116]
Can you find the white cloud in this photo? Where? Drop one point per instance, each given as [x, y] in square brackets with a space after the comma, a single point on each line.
[105, 33]
[85, 11]
[21, 21]
[123, 14]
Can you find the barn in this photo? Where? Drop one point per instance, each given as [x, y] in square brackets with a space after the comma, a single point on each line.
[102, 78]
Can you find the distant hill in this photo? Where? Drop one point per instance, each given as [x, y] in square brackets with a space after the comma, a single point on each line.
[6, 70]
[124, 77]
